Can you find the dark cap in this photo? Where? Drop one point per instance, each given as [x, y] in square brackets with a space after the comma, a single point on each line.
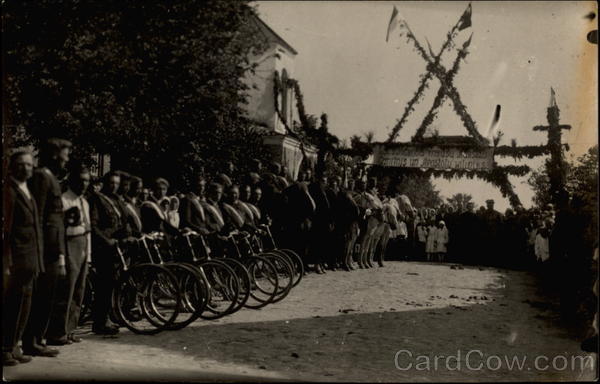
[161, 181]
[56, 144]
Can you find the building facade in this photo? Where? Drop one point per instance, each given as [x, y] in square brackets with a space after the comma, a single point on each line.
[277, 114]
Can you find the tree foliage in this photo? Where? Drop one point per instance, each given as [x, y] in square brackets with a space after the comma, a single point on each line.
[156, 85]
[460, 199]
[420, 190]
[581, 180]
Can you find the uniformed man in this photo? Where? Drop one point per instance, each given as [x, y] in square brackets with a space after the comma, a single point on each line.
[108, 227]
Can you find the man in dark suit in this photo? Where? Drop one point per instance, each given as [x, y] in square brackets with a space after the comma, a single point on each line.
[323, 223]
[346, 215]
[191, 211]
[299, 210]
[107, 228]
[22, 256]
[46, 190]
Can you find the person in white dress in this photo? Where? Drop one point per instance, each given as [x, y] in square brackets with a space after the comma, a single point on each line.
[430, 247]
[441, 241]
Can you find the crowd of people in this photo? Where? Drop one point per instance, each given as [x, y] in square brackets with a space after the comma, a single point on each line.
[55, 230]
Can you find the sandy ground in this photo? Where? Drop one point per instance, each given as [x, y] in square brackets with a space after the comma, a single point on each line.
[377, 325]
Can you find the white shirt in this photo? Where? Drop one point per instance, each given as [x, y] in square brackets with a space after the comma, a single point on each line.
[422, 233]
[22, 185]
[542, 248]
[70, 200]
[402, 230]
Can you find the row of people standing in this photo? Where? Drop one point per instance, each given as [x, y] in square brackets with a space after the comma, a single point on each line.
[38, 270]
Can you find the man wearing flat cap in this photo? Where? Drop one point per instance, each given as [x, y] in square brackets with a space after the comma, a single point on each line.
[160, 188]
[46, 190]
[108, 228]
[492, 220]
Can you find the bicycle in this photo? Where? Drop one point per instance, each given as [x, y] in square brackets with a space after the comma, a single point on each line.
[139, 295]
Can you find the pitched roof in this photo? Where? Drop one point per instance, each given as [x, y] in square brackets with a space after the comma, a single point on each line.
[271, 35]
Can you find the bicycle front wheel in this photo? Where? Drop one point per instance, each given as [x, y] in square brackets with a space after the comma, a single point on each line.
[224, 288]
[147, 298]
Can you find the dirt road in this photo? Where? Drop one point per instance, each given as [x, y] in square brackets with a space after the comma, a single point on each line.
[405, 322]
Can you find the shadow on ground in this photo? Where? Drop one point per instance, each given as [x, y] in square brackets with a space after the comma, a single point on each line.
[364, 346]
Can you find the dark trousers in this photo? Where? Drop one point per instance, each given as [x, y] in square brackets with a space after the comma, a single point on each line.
[321, 238]
[70, 291]
[103, 286]
[420, 252]
[43, 300]
[297, 238]
[16, 306]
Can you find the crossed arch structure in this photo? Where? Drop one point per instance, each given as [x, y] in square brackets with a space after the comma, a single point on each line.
[498, 175]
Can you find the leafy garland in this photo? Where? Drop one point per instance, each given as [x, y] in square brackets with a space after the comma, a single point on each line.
[423, 84]
[498, 176]
[277, 89]
[441, 95]
[556, 166]
[459, 107]
[529, 151]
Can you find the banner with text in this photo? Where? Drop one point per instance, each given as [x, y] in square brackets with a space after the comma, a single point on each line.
[435, 157]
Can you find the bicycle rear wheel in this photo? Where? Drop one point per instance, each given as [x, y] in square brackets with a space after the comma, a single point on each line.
[85, 313]
[295, 261]
[244, 276]
[285, 274]
[264, 282]
[194, 294]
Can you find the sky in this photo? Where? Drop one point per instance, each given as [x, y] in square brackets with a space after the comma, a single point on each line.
[519, 50]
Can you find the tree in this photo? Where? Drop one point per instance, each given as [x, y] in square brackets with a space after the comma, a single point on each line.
[540, 183]
[419, 189]
[460, 199]
[581, 180]
[369, 136]
[156, 85]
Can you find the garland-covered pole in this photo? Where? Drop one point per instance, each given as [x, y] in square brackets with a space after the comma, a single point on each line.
[555, 165]
[439, 98]
[426, 77]
[439, 71]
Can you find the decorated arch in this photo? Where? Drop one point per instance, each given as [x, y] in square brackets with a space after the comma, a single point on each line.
[471, 155]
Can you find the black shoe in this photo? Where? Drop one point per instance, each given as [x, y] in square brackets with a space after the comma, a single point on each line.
[106, 330]
[59, 342]
[8, 360]
[75, 339]
[41, 351]
[20, 357]
[381, 264]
